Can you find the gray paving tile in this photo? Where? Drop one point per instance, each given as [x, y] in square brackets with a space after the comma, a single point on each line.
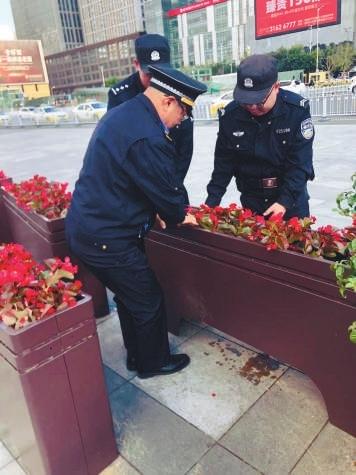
[151, 437]
[219, 461]
[209, 393]
[186, 331]
[13, 468]
[277, 430]
[112, 379]
[332, 452]
[120, 467]
[5, 456]
[112, 347]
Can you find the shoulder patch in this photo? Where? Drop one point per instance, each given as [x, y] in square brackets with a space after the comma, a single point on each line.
[229, 107]
[295, 99]
[307, 129]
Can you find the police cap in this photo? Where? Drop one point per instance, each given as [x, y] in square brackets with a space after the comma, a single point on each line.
[255, 77]
[152, 49]
[175, 83]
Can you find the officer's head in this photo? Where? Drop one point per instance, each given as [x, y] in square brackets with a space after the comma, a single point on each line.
[150, 49]
[172, 93]
[257, 84]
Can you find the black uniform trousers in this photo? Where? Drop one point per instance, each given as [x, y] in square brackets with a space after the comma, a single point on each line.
[139, 299]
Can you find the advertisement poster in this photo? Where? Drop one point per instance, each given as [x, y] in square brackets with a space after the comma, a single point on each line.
[21, 62]
[278, 17]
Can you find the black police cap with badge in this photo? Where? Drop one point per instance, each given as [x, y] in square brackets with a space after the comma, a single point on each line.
[152, 49]
[172, 82]
[255, 78]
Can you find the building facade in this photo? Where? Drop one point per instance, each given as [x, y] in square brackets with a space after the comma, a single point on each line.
[204, 32]
[84, 41]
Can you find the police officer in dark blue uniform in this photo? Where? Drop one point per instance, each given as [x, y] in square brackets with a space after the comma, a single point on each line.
[154, 49]
[265, 141]
[128, 176]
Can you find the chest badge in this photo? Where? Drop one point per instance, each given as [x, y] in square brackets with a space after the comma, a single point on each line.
[238, 133]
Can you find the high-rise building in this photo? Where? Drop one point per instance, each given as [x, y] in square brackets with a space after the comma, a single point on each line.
[204, 32]
[84, 41]
[56, 23]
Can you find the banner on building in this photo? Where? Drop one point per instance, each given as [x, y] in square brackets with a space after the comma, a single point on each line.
[199, 4]
[22, 62]
[278, 17]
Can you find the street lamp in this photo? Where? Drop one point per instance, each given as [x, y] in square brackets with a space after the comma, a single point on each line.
[317, 39]
[102, 74]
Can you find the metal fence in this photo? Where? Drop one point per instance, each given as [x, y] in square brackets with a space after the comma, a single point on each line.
[334, 101]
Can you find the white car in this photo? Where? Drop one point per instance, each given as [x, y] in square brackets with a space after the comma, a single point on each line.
[90, 111]
[49, 115]
[293, 85]
[26, 113]
[4, 118]
[352, 85]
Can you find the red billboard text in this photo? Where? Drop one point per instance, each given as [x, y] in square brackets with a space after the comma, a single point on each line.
[195, 6]
[21, 62]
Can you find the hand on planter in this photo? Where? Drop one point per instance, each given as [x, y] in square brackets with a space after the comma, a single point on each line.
[160, 222]
[189, 219]
[275, 209]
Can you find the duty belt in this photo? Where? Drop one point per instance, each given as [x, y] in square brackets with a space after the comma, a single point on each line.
[269, 182]
[258, 183]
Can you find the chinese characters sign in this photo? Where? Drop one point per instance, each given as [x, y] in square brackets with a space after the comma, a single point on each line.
[21, 62]
[277, 17]
[195, 6]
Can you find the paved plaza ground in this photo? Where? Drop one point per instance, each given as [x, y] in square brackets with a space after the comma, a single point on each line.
[209, 419]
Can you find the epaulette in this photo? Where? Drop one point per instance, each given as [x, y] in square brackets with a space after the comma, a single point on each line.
[117, 89]
[294, 99]
[228, 108]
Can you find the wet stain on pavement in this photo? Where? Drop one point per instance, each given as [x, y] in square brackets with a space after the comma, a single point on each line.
[258, 367]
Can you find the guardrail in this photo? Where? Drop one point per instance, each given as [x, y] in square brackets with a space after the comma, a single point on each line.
[336, 101]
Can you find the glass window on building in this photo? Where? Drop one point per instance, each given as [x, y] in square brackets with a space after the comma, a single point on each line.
[197, 22]
[220, 16]
[224, 46]
[208, 48]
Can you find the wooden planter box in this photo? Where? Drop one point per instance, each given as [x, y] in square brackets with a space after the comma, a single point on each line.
[286, 304]
[5, 231]
[46, 238]
[54, 410]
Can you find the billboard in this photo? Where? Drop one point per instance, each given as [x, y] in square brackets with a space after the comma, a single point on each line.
[278, 17]
[199, 4]
[22, 62]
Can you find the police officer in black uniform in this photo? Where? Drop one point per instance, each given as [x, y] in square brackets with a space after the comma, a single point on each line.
[265, 141]
[128, 176]
[154, 49]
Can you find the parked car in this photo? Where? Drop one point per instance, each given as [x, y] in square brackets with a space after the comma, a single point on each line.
[26, 113]
[220, 103]
[90, 111]
[49, 114]
[293, 85]
[4, 118]
[352, 85]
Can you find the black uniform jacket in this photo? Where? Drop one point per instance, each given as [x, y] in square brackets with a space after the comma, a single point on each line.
[128, 176]
[182, 134]
[278, 144]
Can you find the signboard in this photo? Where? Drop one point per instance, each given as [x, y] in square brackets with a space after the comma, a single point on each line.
[278, 17]
[21, 62]
[199, 4]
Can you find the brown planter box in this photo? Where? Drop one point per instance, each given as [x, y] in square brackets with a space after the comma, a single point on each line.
[5, 231]
[54, 410]
[286, 304]
[46, 238]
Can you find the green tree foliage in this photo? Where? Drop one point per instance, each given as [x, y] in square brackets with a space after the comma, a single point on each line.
[110, 82]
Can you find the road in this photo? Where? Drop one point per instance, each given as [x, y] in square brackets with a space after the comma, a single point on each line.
[57, 153]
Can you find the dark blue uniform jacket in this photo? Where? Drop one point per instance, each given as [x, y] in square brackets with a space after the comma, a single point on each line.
[128, 176]
[278, 144]
[182, 134]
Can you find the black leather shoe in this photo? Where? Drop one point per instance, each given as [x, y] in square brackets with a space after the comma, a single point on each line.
[131, 363]
[175, 363]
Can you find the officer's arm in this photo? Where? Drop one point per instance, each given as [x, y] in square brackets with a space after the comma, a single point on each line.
[151, 165]
[183, 138]
[298, 164]
[224, 169]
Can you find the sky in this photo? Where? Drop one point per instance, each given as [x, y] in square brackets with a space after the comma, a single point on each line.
[7, 28]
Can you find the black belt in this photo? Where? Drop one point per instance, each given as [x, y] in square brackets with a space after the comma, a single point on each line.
[259, 183]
